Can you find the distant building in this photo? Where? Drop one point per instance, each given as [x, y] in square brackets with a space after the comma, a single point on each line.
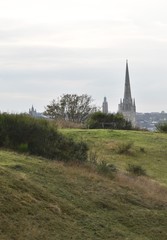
[149, 120]
[33, 112]
[127, 106]
[105, 106]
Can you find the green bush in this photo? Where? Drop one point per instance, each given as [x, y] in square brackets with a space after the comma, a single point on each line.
[100, 120]
[136, 170]
[39, 137]
[162, 127]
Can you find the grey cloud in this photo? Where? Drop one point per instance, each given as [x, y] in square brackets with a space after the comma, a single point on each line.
[45, 72]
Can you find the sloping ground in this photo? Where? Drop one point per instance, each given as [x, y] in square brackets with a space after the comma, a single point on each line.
[148, 149]
[41, 199]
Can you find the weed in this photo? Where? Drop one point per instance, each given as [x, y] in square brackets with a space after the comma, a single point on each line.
[93, 157]
[136, 170]
[106, 169]
[142, 149]
[124, 148]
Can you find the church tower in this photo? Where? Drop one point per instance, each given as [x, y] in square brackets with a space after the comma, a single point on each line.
[32, 111]
[105, 106]
[127, 107]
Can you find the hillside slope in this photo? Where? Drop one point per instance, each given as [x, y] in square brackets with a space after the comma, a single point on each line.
[146, 149]
[41, 199]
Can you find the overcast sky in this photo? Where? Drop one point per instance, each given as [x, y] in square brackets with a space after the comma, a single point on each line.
[52, 47]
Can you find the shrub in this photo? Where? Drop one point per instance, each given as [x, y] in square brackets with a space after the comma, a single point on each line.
[100, 120]
[125, 148]
[106, 169]
[136, 170]
[162, 127]
[38, 137]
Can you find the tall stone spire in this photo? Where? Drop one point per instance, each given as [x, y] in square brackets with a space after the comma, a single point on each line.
[127, 106]
[127, 100]
[127, 91]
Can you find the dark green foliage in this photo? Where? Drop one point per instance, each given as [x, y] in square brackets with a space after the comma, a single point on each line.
[162, 127]
[100, 120]
[37, 136]
[136, 170]
[142, 149]
[23, 148]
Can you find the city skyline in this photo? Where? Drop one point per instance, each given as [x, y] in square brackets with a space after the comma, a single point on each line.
[50, 48]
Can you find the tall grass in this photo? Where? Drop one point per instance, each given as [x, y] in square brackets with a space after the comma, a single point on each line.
[37, 136]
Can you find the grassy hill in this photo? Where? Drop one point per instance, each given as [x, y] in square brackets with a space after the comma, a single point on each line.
[147, 149]
[42, 199]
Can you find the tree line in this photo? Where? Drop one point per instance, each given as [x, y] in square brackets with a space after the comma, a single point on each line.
[79, 109]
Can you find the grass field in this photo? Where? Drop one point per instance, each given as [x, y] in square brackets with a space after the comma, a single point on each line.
[42, 199]
[148, 149]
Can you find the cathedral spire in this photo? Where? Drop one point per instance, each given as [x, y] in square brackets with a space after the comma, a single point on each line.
[127, 90]
[127, 106]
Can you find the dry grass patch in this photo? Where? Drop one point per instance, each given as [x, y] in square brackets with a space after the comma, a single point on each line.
[111, 145]
[148, 188]
[61, 123]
